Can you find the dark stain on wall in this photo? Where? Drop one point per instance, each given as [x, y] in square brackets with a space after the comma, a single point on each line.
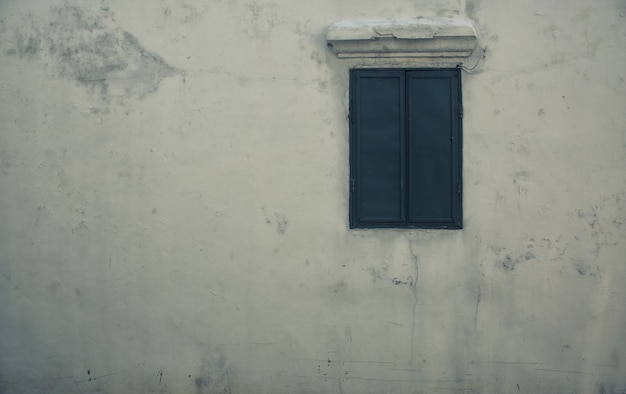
[472, 7]
[509, 262]
[621, 8]
[280, 220]
[408, 281]
[214, 376]
[609, 389]
[27, 40]
[585, 269]
[339, 287]
[85, 44]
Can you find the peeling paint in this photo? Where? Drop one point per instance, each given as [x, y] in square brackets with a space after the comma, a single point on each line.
[88, 47]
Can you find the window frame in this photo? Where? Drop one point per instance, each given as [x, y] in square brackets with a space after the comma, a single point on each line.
[406, 157]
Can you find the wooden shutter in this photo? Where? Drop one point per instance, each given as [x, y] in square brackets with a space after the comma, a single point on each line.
[434, 146]
[378, 148]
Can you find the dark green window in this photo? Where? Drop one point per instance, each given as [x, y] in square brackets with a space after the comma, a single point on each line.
[405, 148]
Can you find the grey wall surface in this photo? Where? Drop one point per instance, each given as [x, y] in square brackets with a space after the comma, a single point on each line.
[174, 205]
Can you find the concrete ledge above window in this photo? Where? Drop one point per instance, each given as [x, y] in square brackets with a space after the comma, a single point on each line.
[403, 38]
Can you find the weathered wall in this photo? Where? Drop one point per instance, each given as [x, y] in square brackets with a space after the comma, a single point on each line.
[174, 204]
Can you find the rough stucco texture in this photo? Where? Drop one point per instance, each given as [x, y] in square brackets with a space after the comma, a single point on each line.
[174, 205]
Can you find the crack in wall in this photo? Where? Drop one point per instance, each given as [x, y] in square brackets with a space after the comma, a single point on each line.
[477, 305]
[415, 260]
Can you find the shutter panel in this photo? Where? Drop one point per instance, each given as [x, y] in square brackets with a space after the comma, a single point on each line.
[434, 143]
[377, 154]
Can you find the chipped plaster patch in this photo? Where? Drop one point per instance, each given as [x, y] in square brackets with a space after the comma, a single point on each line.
[87, 46]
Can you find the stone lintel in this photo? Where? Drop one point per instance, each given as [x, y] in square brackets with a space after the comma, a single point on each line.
[401, 38]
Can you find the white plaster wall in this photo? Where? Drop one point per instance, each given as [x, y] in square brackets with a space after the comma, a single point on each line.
[174, 204]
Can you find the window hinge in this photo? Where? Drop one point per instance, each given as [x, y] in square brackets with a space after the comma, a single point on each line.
[458, 188]
[460, 112]
[352, 185]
